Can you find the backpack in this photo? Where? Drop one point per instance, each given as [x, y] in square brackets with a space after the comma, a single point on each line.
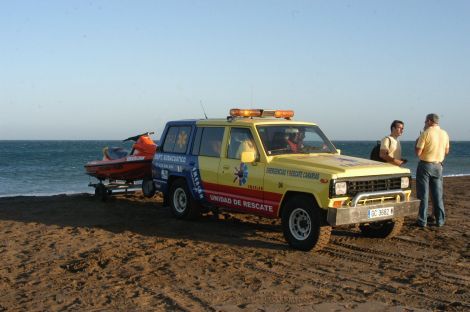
[375, 153]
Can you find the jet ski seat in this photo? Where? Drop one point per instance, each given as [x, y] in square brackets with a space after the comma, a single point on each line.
[111, 153]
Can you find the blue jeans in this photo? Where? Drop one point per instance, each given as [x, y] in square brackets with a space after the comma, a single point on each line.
[429, 178]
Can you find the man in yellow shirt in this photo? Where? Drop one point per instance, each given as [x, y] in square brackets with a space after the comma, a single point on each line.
[431, 147]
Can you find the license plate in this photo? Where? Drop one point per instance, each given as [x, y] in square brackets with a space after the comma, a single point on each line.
[380, 212]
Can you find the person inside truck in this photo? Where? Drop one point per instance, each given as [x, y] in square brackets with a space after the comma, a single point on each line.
[246, 145]
[241, 141]
[279, 141]
[296, 139]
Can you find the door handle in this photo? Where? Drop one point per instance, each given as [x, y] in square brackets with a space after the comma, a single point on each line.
[226, 167]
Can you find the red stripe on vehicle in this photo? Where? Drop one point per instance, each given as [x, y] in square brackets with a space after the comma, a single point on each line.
[243, 199]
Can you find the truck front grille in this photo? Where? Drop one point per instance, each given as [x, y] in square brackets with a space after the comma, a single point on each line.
[355, 187]
[369, 184]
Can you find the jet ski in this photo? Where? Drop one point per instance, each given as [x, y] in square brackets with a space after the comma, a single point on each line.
[118, 164]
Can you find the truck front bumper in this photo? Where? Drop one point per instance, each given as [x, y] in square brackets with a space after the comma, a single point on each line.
[361, 214]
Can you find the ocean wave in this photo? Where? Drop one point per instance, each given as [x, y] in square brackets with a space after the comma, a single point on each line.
[456, 175]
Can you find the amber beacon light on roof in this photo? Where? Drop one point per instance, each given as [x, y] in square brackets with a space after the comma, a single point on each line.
[237, 112]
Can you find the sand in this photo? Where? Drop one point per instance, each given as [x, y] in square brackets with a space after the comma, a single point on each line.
[129, 253]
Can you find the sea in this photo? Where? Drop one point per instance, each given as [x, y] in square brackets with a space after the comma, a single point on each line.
[36, 168]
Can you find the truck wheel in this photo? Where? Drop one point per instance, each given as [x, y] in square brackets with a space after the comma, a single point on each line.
[383, 229]
[182, 204]
[148, 188]
[304, 225]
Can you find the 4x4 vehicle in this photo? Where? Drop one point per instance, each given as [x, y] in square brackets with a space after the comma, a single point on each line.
[262, 162]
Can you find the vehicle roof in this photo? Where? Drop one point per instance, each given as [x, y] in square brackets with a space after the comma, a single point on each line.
[241, 121]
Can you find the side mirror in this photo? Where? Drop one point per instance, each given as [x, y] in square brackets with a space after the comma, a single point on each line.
[338, 151]
[248, 157]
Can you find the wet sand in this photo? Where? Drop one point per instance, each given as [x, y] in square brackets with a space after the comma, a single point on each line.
[129, 253]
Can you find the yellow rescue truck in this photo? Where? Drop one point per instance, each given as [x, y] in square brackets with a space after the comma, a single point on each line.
[263, 162]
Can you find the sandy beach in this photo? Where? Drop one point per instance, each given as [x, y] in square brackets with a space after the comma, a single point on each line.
[62, 253]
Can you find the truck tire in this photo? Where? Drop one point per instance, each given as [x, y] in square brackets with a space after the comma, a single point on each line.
[148, 188]
[304, 225]
[182, 204]
[382, 229]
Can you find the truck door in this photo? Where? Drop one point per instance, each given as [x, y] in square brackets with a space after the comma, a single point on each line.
[207, 147]
[241, 184]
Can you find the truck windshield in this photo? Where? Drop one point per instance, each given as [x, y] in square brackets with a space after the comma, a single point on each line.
[294, 139]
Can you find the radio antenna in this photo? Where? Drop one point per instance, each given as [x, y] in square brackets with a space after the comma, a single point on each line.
[203, 110]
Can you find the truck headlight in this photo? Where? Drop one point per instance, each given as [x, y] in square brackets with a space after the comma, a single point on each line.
[341, 188]
[405, 182]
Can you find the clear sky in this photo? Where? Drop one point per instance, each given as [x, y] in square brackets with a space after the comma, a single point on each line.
[112, 69]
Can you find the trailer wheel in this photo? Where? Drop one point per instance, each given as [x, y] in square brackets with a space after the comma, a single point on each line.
[182, 204]
[101, 191]
[382, 229]
[148, 188]
[303, 224]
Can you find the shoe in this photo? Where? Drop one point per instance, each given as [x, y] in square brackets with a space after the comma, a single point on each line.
[420, 225]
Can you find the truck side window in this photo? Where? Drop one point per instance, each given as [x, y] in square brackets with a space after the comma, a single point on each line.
[176, 140]
[211, 141]
[170, 139]
[241, 140]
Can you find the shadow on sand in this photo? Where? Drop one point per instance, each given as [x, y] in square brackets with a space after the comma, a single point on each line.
[142, 216]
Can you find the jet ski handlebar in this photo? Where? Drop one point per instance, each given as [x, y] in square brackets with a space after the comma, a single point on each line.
[135, 138]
